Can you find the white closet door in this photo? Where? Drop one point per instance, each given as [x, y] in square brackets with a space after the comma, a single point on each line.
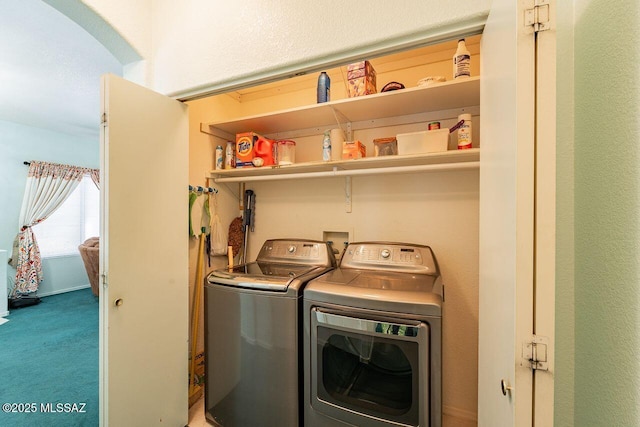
[545, 267]
[506, 216]
[144, 258]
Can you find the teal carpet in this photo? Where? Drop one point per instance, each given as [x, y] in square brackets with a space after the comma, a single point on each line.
[49, 363]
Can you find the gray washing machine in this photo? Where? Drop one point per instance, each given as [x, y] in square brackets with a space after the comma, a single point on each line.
[373, 339]
[253, 335]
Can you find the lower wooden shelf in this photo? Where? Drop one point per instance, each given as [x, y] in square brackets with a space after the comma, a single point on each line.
[446, 160]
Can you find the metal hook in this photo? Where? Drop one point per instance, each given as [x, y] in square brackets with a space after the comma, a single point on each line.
[505, 388]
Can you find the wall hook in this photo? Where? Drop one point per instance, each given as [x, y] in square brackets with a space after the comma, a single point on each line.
[505, 388]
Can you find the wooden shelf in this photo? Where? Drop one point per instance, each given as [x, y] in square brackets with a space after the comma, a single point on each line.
[453, 159]
[442, 96]
[366, 111]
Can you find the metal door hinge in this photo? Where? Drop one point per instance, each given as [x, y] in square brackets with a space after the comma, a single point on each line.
[103, 119]
[536, 353]
[538, 17]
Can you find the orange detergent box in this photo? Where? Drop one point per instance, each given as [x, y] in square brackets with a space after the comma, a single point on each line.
[254, 150]
[353, 150]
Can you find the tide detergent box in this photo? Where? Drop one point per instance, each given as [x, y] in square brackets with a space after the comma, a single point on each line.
[251, 146]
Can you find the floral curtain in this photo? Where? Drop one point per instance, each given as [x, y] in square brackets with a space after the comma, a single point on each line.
[95, 177]
[48, 186]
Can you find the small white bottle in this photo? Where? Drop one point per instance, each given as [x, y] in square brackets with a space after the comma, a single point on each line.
[464, 132]
[326, 146]
[230, 155]
[461, 61]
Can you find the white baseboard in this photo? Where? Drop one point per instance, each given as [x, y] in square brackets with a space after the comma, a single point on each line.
[460, 413]
[62, 291]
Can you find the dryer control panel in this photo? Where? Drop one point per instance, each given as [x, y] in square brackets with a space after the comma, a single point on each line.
[390, 256]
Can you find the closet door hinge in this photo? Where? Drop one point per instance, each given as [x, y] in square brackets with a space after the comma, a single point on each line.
[535, 353]
[538, 17]
[103, 119]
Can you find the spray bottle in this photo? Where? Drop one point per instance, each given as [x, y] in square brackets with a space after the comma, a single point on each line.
[326, 146]
[324, 86]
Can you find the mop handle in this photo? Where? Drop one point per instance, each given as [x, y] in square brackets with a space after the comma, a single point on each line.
[248, 207]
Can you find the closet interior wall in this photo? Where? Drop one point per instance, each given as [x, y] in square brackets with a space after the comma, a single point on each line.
[438, 208]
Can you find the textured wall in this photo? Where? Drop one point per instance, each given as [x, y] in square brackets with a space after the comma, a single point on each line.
[607, 226]
[122, 26]
[565, 251]
[204, 43]
[198, 44]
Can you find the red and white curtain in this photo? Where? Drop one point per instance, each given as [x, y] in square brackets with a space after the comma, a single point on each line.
[95, 177]
[48, 186]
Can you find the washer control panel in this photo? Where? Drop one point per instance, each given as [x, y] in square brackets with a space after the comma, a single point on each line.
[296, 252]
[390, 256]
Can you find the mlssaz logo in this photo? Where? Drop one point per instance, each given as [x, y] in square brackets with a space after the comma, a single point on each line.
[63, 407]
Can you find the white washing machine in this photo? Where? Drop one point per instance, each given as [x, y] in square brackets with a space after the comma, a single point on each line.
[373, 339]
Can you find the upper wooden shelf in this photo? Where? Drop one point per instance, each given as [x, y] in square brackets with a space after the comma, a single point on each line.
[442, 96]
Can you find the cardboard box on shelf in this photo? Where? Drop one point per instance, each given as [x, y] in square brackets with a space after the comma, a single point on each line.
[353, 150]
[361, 79]
[385, 146]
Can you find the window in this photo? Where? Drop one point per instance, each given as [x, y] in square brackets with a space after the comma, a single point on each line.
[72, 223]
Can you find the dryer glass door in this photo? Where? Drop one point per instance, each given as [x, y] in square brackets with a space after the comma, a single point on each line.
[371, 371]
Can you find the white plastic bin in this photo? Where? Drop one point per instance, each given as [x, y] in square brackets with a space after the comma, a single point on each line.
[429, 141]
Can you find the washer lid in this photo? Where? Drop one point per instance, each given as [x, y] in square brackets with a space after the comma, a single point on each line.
[380, 281]
[379, 290]
[266, 276]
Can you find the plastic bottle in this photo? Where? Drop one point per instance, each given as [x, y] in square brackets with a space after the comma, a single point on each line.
[230, 155]
[461, 61]
[219, 157]
[464, 132]
[324, 86]
[326, 146]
